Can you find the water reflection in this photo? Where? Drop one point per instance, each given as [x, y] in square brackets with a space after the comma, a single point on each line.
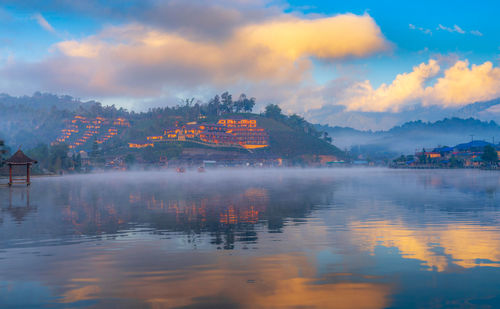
[436, 246]
[19, 204]
[263, 239]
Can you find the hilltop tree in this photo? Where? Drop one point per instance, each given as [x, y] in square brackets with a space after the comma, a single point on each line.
[244, 104]
[273, 111]
[227, 102]
[214, 106]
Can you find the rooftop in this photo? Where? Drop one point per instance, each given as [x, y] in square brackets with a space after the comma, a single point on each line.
[20, 158]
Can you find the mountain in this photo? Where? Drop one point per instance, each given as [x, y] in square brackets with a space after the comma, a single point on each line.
[339, 116]
[413, 135]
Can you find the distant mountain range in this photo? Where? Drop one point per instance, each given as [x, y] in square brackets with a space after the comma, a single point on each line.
[413, 135]
[339, 116]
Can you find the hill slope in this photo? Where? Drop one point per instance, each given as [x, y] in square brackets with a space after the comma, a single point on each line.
[41, 118]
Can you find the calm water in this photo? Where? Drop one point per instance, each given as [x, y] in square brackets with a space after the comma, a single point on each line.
[353, 238]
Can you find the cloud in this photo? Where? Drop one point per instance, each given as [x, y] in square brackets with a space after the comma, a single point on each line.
[475, 32]
[424, 30]
[460, 84]
[44, 23]
[143, 61]
[463, 245]
[457, 29]
[406, 88]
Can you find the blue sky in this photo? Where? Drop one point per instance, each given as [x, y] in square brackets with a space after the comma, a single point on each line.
[145, 53]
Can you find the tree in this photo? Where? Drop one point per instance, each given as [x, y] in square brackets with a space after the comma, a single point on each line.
[422, 158]
[249, 105]
[214, 106]
[489, 155]
[58, 158]
[327, 138]
[41, 154]
[296, 121]
[244, 104]
[77, 162]
[129, 159]
[273, 111]
[2, 152]
[227, 102]
[95, 153]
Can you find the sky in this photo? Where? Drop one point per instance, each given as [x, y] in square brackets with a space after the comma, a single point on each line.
[310, 57]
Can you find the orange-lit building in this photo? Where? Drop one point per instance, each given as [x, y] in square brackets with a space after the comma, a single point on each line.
[139, 145]
[80, 130]
[233, 132]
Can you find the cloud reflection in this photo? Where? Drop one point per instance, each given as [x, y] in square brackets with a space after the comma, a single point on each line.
[463, 245]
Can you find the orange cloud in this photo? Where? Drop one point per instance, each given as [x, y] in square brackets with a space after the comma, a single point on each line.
[331, 37]
[468, 246]
[274, 281]
[144, 61]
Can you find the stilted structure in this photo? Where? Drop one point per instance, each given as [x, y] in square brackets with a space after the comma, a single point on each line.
[20, 159]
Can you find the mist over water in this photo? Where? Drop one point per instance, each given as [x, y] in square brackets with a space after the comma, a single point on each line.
[253, 238]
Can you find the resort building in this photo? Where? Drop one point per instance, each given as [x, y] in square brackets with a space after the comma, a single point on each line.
[81, 130]
[226, 132]
[140, 145]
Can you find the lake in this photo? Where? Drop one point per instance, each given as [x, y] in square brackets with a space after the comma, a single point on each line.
[311, 238]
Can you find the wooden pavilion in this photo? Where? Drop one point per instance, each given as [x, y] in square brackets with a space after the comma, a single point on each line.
[20, 159]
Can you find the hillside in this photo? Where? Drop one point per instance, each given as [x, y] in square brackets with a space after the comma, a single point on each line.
[45, 119]
[28, 120]
[291, 142]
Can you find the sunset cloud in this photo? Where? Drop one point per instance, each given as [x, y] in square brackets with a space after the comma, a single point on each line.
[140, 60]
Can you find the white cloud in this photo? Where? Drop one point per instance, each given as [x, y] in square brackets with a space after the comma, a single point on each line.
[44, 23]
[463, 84]
[424, 30]
[455, 28]
[460, 84]
[458, 29]
[405, 88]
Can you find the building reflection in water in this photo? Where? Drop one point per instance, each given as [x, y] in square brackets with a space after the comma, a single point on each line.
[228, 215]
